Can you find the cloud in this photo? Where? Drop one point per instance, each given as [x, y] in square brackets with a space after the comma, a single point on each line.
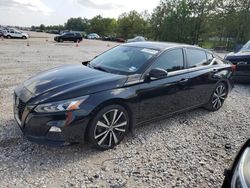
[103, 6]
[33, 5]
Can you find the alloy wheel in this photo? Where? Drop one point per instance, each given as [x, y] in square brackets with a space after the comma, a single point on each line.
[219, 96]
[110, 128]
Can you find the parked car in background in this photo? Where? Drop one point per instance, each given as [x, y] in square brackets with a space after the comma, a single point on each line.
[238, 175]
[134, 83]
[75, 37]
[1, 33]
[93, 36]
[242, 61]
[109, 38]
[120, 39]
[13, 33]
[137, 39]
[53, 32]
[114, 38]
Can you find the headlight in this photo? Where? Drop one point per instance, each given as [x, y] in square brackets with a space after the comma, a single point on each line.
[61, 106]
[241, 177]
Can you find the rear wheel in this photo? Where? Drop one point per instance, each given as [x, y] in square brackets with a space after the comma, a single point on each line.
[109, 127]
[24, 37]
[8, 36]
[218, 97]
[60, 40]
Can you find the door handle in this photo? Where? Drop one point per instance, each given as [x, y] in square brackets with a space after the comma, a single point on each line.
[215, 70]
[183, 81]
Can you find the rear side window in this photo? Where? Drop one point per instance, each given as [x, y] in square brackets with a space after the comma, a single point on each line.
[170, 61]
[69, 34]
[196, 58]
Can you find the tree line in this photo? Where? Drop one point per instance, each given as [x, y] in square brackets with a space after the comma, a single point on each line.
[208, 23]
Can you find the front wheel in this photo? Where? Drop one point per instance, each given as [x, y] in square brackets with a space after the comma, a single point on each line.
[24, 37]
[218, 97]
[9, 37]
[108, 127]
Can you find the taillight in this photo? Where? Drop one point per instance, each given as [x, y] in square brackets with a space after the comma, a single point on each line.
[233, 67]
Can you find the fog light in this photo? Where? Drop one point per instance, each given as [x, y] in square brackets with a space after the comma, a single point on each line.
[55, 129]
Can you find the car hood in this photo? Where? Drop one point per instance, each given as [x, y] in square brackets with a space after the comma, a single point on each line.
[71, 81]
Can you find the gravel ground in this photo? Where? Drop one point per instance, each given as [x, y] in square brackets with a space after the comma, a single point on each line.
[187, 150]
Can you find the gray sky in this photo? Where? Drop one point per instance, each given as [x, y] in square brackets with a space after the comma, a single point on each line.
[50, 12]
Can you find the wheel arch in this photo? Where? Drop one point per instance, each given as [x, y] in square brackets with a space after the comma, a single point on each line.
[116, 101]
[226, 84]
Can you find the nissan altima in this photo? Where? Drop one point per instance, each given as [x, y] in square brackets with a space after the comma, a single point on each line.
[99, 101]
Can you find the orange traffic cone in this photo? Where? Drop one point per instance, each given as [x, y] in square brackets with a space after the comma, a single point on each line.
[77, 43]
[108, 45]
[28, 44]
[47, 40]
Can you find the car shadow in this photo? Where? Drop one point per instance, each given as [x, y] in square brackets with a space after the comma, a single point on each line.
[19, 154]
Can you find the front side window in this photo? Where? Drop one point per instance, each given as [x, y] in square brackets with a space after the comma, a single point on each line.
[123, 59]
[196, 58]
[170, 61]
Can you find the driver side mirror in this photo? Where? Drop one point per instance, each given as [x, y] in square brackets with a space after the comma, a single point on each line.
[157, 73]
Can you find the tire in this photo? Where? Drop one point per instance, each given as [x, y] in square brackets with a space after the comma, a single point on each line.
[60, 40]
[8, 37]
[108, 128]
[23, 37]
[217, 98]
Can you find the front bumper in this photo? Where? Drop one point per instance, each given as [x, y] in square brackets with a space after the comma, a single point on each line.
[36, 127]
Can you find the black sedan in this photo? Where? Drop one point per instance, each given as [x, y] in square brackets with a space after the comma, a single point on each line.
[75, 37]
[242, 61]
[101, 100]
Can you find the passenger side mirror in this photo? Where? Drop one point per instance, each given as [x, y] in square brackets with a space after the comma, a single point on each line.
[158, 73]
[85, 63]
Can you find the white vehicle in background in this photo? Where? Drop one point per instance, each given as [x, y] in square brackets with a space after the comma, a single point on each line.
[13, 33]
[93, 36]
[137, 39]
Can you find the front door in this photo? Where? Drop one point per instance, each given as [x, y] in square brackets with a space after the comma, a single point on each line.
[164, 96]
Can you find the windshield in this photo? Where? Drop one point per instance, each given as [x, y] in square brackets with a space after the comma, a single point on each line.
[123, 59]
[246, 47]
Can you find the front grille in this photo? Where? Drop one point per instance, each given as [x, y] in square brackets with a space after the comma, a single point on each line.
[21, 107]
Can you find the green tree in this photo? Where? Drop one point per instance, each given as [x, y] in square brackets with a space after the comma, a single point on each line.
[42, 27]
[103, 26]
[77, 24]
[131, 24]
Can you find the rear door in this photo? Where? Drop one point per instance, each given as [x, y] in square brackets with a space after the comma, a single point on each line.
[18, 34]
[202, 75]
[69, 37]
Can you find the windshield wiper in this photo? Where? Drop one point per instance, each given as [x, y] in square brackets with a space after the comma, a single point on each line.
[100, 68]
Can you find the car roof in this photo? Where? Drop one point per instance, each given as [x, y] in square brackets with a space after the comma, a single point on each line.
[161, 46]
